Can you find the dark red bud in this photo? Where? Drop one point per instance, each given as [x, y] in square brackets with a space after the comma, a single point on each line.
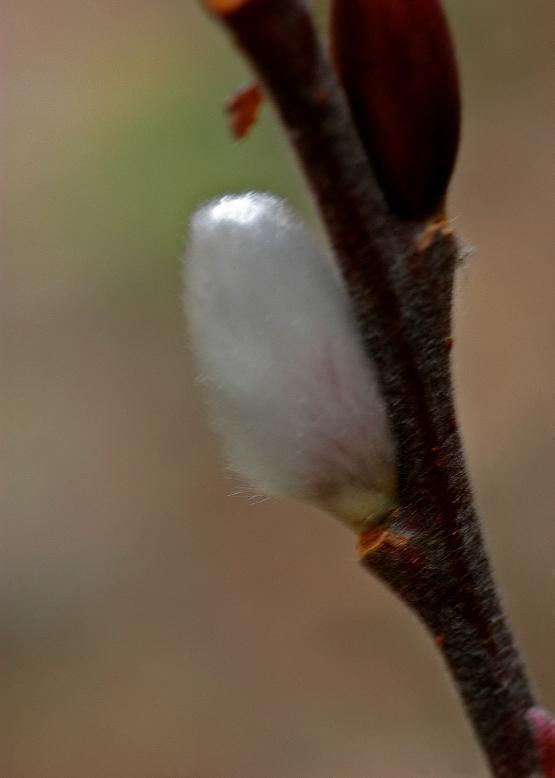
[543, 729]
[396, 62]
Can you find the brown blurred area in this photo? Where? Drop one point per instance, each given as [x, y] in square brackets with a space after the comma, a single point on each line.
[153, 625]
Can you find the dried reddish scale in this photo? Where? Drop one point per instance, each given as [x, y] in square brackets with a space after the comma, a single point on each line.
[242, 110]
[396, 62]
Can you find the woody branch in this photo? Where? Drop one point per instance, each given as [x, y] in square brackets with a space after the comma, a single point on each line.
[399, 274]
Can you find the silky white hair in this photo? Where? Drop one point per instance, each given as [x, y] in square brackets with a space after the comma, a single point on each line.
[292, 392]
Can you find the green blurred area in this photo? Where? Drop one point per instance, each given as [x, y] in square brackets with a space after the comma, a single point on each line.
[152, 626]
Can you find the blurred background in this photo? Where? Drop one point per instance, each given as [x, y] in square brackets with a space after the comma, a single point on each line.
[153, 625]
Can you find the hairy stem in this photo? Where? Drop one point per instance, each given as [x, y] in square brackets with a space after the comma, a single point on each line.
[431, 552]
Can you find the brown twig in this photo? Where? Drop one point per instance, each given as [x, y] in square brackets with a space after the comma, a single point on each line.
[400, 277]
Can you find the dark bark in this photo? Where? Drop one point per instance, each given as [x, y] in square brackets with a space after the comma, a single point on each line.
[400, 277]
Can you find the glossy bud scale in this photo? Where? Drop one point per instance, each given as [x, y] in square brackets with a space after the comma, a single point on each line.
[396, 63]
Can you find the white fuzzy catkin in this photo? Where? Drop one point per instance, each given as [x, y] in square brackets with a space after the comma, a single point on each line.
[292, 392]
